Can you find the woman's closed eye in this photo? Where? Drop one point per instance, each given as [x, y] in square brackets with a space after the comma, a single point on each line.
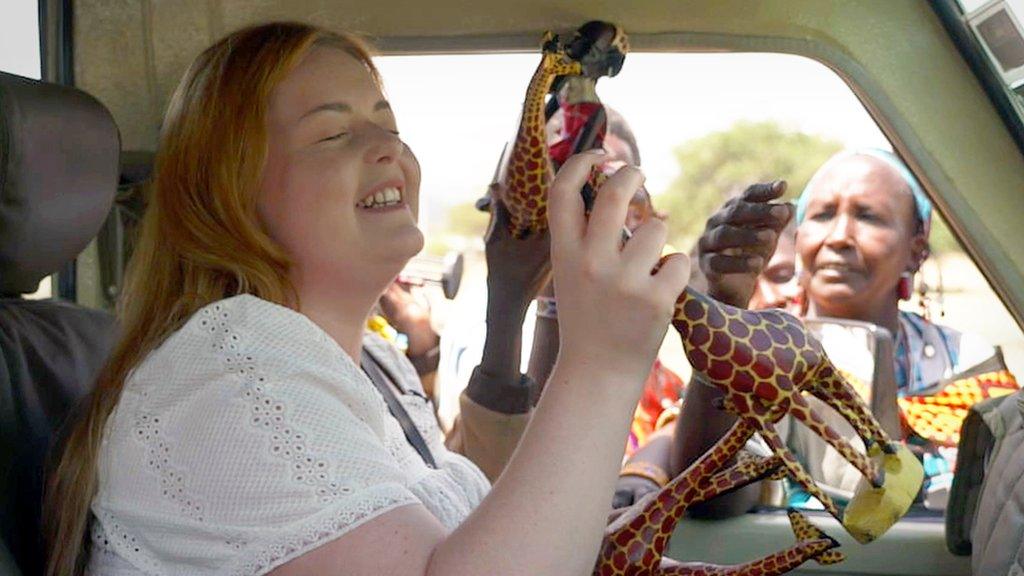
[780, 274]
[333, 137]
[343, 133]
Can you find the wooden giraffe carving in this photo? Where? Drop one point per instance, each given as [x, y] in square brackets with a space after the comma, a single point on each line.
[762, 361]
[596, 50]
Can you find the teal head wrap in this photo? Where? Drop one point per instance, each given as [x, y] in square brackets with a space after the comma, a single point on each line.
[922, 204]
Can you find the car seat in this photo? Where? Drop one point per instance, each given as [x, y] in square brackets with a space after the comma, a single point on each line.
[59, 151]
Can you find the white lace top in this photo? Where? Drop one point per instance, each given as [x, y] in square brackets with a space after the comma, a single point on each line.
[249, 438]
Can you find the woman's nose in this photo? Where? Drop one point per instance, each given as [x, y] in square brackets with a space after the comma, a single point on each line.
[383, 146]
[841, 231]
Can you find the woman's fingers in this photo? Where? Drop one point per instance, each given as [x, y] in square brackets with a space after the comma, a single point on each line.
[755, 208]
[643, 251]
[749, 224]
[566, 218]
[765, 191]
[500, 218]
[673, 275]
[729, 236]
[611, 206]
[629, 491]
[753, 214]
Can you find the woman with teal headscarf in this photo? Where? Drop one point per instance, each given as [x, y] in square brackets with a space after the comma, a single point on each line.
[863, 223]
[863, 226]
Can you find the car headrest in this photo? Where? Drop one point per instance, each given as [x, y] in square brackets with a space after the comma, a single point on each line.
[59, 152]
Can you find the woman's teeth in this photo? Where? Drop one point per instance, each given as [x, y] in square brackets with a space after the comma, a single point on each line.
[386, 197]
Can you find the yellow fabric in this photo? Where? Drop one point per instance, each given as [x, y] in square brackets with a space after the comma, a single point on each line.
[486, 437]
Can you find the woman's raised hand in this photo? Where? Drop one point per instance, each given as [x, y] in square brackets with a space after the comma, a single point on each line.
[613, 310]
[739, 240]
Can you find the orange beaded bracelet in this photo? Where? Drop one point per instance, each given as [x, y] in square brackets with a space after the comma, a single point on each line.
[647, 470]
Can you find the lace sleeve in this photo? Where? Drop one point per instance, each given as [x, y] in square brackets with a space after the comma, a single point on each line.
[245, 441]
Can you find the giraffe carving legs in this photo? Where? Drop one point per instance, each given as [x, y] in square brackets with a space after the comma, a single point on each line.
[771, 437]
[803, 412]
[636, 541]
[771, 565]
[832, 388]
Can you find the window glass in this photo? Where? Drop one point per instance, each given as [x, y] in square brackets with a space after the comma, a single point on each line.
[706, 126]
[19, 38]
[45, 289]
[971, 5]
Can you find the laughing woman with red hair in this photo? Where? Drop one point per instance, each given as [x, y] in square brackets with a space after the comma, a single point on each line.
[238, 427]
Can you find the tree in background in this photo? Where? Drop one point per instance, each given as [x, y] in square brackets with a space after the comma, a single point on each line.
[464, 225]
[719, 165]
[466, 220]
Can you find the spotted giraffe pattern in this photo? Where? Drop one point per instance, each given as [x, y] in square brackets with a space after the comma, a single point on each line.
[804, 530]
[525, 180]
[635, 543]
[763, 362]
[766, 359]
[526, 172]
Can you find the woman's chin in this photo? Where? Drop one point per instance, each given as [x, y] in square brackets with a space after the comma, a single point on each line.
[399, 246]
[834, 294]
[410, 242]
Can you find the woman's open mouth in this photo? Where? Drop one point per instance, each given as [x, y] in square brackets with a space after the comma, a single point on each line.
[385, 198]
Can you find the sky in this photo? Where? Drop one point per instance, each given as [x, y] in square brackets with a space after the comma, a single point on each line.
[456, 112]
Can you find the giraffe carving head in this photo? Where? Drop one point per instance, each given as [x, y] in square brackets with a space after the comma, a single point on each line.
[601, 48]
[556, 60]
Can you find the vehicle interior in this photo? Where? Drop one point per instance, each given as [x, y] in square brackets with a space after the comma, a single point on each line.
[76, 151]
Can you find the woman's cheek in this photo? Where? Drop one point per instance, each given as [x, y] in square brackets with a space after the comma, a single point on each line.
[806, 249]
[412, 181]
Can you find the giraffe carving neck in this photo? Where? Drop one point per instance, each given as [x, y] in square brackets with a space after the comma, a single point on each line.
[531, 129]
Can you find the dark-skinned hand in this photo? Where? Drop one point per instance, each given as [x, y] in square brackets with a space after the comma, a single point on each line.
[516, 268]
[631, 489]
[739, 240]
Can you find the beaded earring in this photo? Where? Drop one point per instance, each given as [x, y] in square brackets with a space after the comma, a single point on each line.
[905, 286]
